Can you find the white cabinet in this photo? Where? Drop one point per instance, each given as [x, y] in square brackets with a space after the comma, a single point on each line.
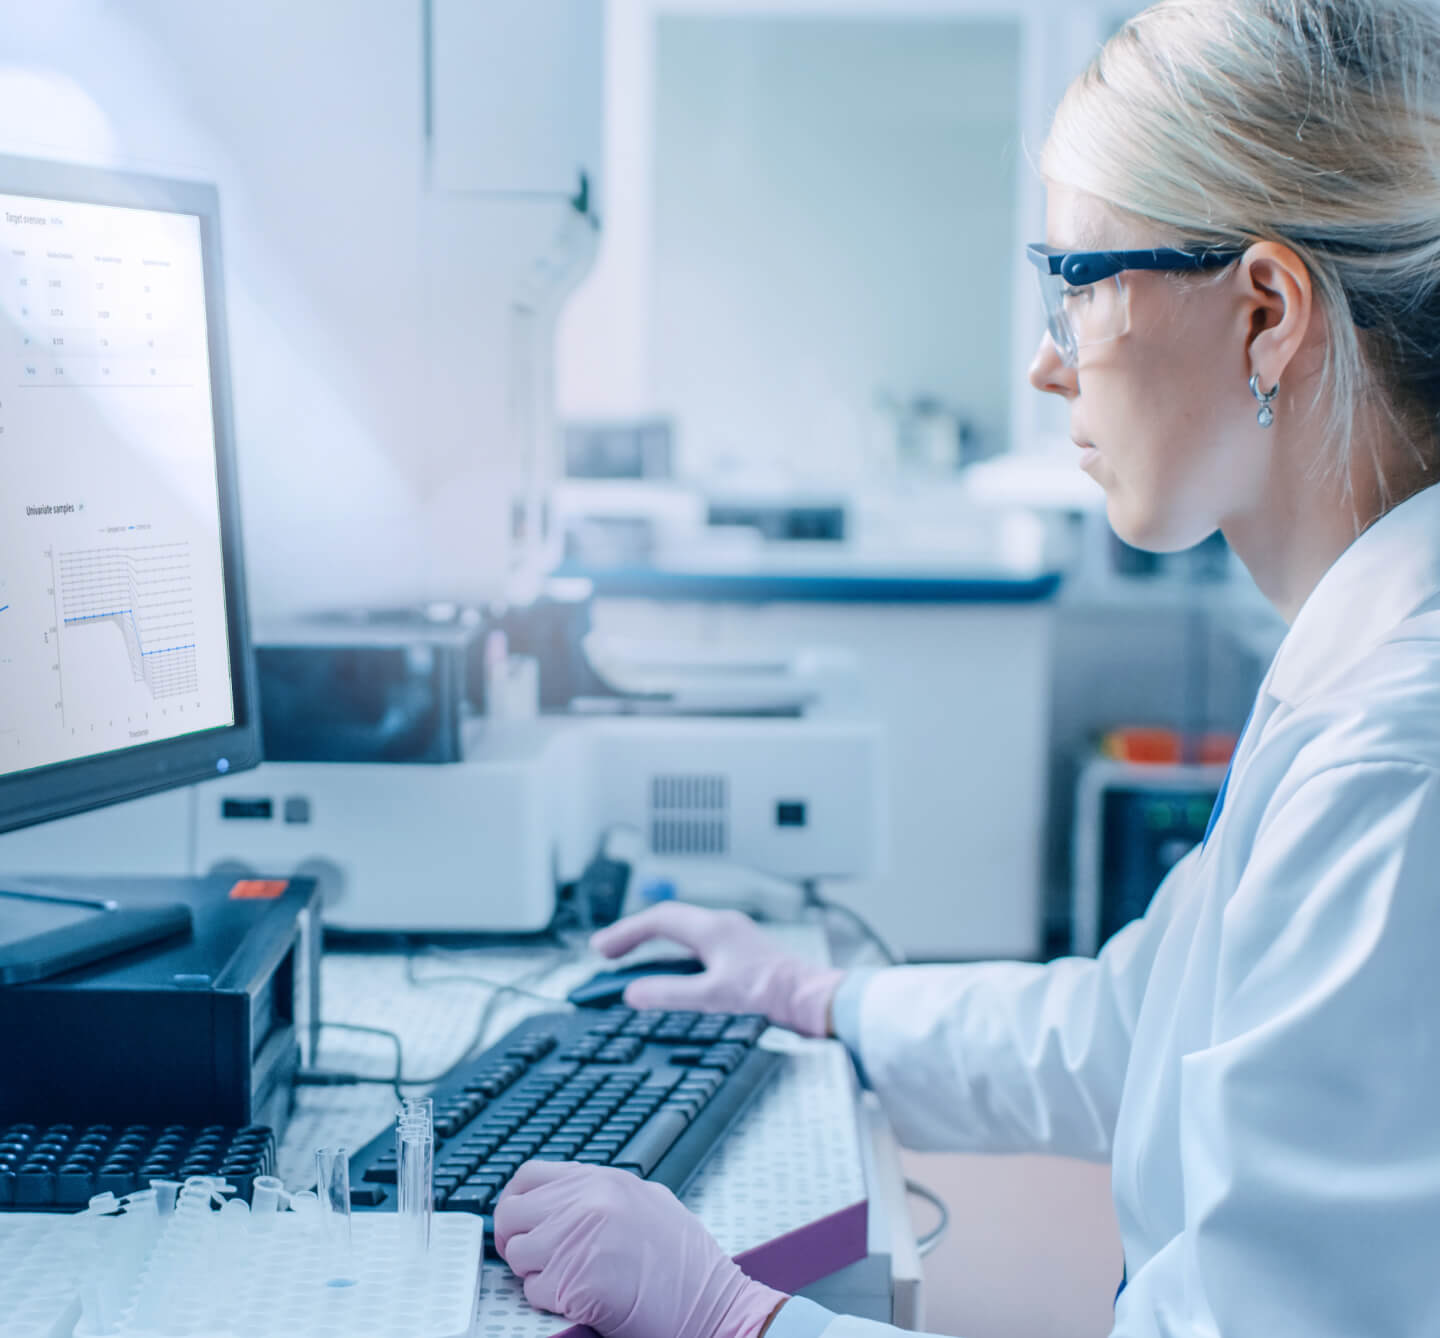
[515, 99]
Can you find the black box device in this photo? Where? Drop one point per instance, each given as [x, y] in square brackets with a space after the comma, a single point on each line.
[199, 1030]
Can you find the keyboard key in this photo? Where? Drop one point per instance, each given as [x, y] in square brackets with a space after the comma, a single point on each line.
[644, 1151]
[727, 1057]
[471, 1199]
[488, 1179]
[747, 1029]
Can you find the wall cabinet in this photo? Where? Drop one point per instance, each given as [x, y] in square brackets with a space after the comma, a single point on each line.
[515, 95]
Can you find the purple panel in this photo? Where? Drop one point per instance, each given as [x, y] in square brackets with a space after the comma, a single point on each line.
[797, 1258]
[811, 1252]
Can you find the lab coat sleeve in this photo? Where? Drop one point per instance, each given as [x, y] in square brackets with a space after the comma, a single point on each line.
[1012, 1056]
[1310, 1142]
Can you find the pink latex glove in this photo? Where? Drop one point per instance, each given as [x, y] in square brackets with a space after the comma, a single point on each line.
[744, 971]
[605, 1248]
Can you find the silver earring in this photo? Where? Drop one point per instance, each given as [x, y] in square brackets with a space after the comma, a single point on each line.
[1266, 416]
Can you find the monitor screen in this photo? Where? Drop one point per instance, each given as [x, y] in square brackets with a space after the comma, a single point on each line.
[121, 623]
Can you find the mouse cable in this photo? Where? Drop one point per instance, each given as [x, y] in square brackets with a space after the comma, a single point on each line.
[924, 1244]
[499, 991]
[499, 986]
[826, 906]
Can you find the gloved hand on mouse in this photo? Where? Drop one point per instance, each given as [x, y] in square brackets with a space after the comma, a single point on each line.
[744, 971]
[605, 1248]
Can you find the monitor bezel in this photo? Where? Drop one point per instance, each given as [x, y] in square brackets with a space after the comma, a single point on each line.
[40, 794]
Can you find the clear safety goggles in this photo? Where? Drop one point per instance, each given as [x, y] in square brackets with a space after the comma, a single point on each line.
[1086, 300]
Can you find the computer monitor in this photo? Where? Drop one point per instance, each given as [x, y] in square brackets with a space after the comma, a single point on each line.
[125, 659]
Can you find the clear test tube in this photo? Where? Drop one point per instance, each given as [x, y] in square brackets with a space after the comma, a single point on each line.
[419, 1108]
[332, 1184]
[415, 1179]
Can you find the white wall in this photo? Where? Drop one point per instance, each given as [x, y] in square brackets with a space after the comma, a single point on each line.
[368, 317]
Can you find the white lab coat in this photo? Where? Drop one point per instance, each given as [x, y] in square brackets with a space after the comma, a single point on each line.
[1259, 1057]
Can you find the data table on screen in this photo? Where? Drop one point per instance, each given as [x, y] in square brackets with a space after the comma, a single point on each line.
[112, 613]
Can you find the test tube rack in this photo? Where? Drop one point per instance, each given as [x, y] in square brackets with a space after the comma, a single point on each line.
[228, 1275]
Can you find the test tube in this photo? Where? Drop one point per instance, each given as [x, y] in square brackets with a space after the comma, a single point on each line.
[419, 1108]
[415, 1171]
[332, 1183]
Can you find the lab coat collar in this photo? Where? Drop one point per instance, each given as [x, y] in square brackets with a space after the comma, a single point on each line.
[1383, 577]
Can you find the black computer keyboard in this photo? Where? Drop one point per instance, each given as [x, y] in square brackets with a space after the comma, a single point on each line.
[58, 1167]
[650, 1092]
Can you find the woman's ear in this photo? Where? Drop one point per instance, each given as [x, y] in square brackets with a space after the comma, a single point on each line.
[1278, 300]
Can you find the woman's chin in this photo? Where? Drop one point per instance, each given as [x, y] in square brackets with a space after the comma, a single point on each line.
[1149, 530]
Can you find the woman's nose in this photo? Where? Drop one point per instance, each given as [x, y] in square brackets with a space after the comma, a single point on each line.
[1048, 371]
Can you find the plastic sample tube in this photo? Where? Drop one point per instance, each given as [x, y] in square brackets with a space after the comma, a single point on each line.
[415, 1174]
[265, 1195]
[332, 1183]
[165, 1191]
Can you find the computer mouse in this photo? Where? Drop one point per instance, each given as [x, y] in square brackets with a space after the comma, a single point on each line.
[606, 988]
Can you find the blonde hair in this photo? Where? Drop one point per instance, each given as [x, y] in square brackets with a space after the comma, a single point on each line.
[1315, 123]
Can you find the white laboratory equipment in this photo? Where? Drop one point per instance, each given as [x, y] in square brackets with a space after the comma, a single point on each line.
[482, 844]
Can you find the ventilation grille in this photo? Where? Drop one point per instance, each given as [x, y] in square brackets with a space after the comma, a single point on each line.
[689, 815]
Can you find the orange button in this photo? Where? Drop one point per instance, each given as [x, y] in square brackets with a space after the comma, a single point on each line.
[259, 889]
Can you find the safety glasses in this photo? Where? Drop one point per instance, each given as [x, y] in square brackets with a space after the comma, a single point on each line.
[1086, 301]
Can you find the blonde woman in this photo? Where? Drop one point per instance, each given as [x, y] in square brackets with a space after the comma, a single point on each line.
[1242, 279]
